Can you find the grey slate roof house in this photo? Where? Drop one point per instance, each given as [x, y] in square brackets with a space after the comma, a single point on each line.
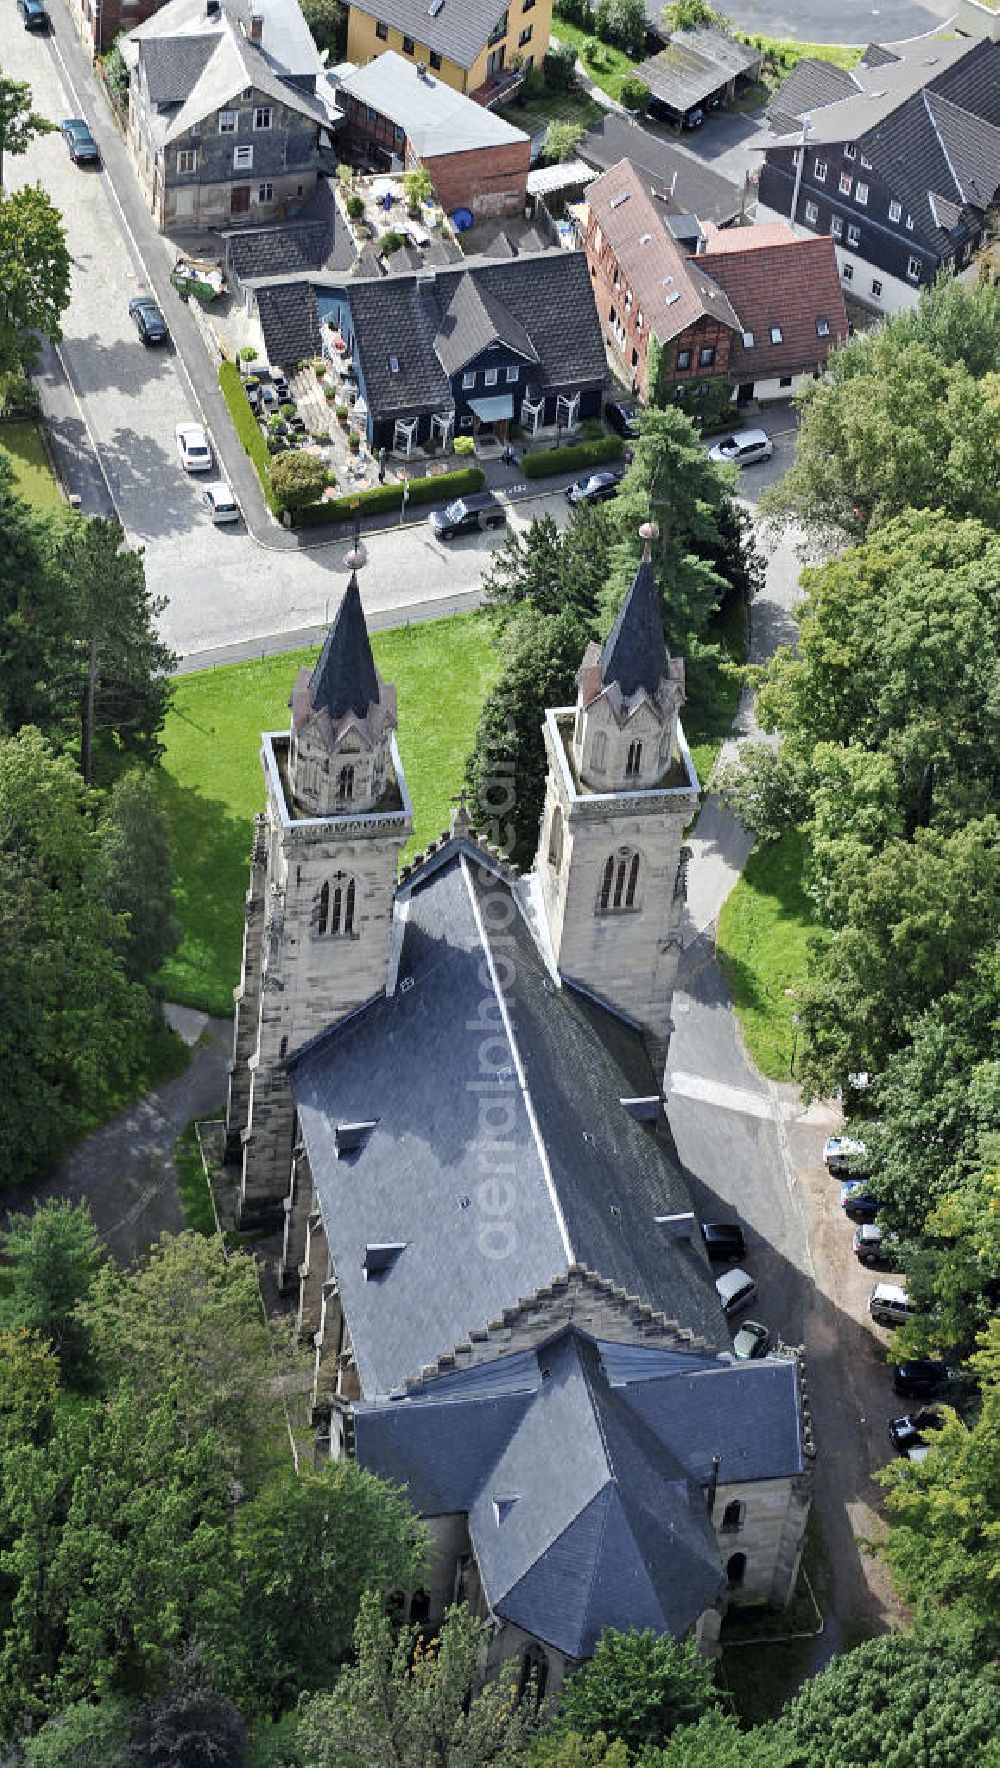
[471, 347]
[900, 162]
[463, 1129]
[224, 124]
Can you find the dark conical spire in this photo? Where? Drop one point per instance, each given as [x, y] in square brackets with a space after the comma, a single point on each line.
[635, 651]
[345, 678]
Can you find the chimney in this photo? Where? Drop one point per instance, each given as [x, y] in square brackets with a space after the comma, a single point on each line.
[256, 27]
[713, 1485]
[421, 70]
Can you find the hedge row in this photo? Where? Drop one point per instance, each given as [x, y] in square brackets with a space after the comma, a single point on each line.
[390, 497]
[566, 460]
[248, 430]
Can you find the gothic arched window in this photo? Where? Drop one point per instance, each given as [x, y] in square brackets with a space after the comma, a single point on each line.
[335, 907]
[345, 783]
[634, 763]
[619, 881]
[736, 1570]
[599, 752]
[732, 1516]
[533, 1675]
[556, 839]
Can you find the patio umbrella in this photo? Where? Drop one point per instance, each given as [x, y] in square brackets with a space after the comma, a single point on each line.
[339, 342]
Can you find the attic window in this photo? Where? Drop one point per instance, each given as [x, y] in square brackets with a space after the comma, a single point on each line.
[748, 340]
[349, 1137]
[380, 1258]
[394, 365]
[622, 197]
[645, 1109]
[502, 1508]
[644, 238]
[777, 335]
[822, 328]
[673, 296]
[434, 8]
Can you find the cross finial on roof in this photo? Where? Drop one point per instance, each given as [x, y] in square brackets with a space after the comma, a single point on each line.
[460, 818]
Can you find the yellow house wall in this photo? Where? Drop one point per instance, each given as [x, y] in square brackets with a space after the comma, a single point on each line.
[363, 45]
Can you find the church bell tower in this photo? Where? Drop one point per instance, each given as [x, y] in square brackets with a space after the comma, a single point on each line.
[620, 790]
[322, 883]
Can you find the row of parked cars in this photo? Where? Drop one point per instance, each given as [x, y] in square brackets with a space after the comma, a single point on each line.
[889, 1303]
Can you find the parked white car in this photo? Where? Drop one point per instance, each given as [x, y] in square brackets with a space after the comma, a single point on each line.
[194, 448]
[222, 505]
[742, 449]
[735, 1289]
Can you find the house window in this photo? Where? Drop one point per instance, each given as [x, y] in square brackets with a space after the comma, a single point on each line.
[619, 881]
[512, 374]
[265, 193]
[227, 122]
[599, 752]
[335, 907]
[371, 113]
[242, 159]
[847, 272]
[490, 377]
[812, 213]
[706, 356]
[861, 193]
[785, 381]
[525, 37]
[381, 31]
[469, 380]
[187, 160]
[638, 319]
[866, 163]
[732, 1516]
[400, 135]
[748, 340]
[836, 227]
[634, 763]
[777, 335]
[895, 211]
[846, 183]
[876, 288]
[345, 783]
[263, 116]
[435, 60]
[407, 45]
[684, 359]
[850, 151]
[822, 328]
[736, 1570]
[527, 5]
[819, 171]
[909, 223]
[854, 237]
[913, 269]
[556, 839]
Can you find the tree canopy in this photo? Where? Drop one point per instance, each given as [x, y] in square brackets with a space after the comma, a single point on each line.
[638, 1688]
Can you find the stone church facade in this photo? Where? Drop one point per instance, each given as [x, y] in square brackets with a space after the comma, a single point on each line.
[447, 1082]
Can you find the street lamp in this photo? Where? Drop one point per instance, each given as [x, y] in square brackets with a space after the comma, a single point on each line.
[357, 557]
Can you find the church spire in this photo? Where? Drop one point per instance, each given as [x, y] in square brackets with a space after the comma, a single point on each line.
[635, 652]
[345, 678]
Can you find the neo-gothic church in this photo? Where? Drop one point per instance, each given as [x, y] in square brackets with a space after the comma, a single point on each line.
[447, 1082]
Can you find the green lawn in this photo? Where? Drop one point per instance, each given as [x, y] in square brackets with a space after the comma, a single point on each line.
[553, 107]
[192, 1183]
[764, 931]
[610, 67]
[211, 782]
[34, 479]
[712, 697]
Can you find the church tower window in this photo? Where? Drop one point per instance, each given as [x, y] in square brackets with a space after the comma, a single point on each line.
[335, 907]
[345, 783]
[633, 765]
[619, 881]
[600, 751]
[556, 839]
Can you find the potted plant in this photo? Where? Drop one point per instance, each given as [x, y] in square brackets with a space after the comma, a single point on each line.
[342, 416]
[354, 441]
[319, 368]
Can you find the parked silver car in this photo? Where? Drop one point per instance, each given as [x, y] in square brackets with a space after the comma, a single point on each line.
[744, 448]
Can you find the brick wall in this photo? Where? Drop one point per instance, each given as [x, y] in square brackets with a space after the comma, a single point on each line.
[487, 180]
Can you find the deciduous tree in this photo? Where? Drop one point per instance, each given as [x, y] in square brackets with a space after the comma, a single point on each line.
[19, 124]
[637, 1688]
[34, 275]
[135, 873]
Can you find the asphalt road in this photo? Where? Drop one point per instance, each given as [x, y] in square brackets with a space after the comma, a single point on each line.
[851, 21]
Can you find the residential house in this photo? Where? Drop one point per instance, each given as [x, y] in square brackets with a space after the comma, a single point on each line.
[477, 46]
[447, 1086]
[678, 181]
[698, 69]
[224, 124]
[897, 161]
[100, 22]
[466, 350]
[755, 307]
[399, 115]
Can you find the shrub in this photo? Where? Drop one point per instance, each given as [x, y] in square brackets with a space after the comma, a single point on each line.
[418, 187]
[287, 409]
[634, 93]
[463, 445]
[389, 497]
[391, 242]
[247, 429]
[560, 143]
[558, 67]
[534, 83]
[342, 413]
[593, 52]
[248, 353]
[298, 479]
[566, 460]
[355, 207]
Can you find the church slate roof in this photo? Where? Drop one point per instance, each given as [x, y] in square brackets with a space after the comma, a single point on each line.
[618, 1533]
[500, 1154]
[345, 678]
[635, 651]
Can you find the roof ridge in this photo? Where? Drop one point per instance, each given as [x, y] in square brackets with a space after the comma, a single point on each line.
[927, 96]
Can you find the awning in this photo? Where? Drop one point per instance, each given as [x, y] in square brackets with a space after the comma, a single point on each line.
[490, 410]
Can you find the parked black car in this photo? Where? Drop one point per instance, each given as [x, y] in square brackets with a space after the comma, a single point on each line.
[873, 1246]
[468, 514]
[724, 1241]
[33, 15]
[148, 320]
[83, 149]
[856, 1203]
[623, 416]
[595, 487]
[919, 1377]
[906, 1434]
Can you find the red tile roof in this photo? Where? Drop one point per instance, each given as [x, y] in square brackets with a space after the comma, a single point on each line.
[787, 282]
